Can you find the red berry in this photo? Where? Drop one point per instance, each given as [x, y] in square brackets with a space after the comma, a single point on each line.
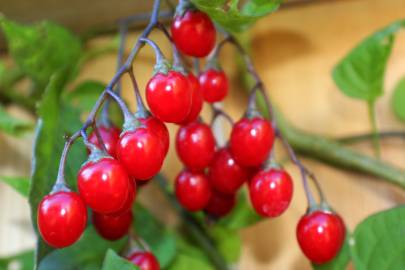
[112, 227]
[62, 218]
[110, 136]
[103, 185]
[141, 152]
[169, 96]
[251, 141]
[220, 204]
[196, 100]
[194, 33]
[193, 190]
[225, 174]
[321, 235]
[271, 192]
[214, 85]
[159, 128]
[129, 200]
[144, 260]
[195, 145]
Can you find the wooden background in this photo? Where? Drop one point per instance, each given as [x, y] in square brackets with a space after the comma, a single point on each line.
[294, 50]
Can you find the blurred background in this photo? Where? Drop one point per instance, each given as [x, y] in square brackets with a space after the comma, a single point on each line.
[294, 50]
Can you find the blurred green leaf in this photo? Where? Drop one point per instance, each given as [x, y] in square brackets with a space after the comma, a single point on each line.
[186, 262]
[228, 242]
[41, 49]
[85, 95]
[20, 184]
[398, 100]
[113, 261]
[234, 19]
[86, 254]
[21, 261]
[12, 125]
[360, 74]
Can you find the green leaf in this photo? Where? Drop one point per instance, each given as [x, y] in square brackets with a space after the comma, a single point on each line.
[85, 95]
[361, 73]
[113, 261]
[12, 125]
[235, 20]
[20, 184]
[24, 261]
[398, 100]
[41, 49]
[228, 242]
[161, 241]
[185, 262]
[340, 262]
[86, 254]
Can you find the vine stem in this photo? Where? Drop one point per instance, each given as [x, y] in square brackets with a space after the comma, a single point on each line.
[374, 129]
[369, 136]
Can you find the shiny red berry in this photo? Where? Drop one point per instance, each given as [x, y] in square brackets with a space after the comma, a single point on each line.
[62, 218]
[196, 100]
[320, 235]
[112, 227]
[195, 145]
[141, 152]
[144, 260]
[271, 192]
[129, 200]
[252, 141]
[159, 128]
[220, 204]
[103, 185]
[194, 33]
[214, 85]
[169, 96]
[193, 190]
[110, 136]
[225, 174]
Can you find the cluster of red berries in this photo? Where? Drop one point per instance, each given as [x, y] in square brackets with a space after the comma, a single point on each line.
[107, 182]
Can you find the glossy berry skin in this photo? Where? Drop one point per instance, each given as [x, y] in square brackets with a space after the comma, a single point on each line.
[141, 152]
[214, 85]
[195, 145]
[103, 185]
[252, 141]
[271, 192]
[169, 96]
[62, 218]
[320, 235]
[220, 204]
[194, 33]
[132, 190]
[225, 174]
[112, 227]
[159, 128]
[110, 136]
[196, 100]
[193, 190]
[144, 260]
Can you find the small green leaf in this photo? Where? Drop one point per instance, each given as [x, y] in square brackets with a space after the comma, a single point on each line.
[20, 184]
[235, 20]
[228, 242]
[340, 262]
[113, 261]
[398, 100]
[12, 125]
[84, 96]
[361, 73]
[86, 254]
[185, 262]
[161, 241]
[21, 261]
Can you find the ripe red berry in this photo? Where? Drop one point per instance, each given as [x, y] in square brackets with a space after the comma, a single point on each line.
[110, 136]
[220, 204]
[144, 260]
[159, 128]
[195, 145]
[214, 85]
[193, 190]
[112, 227]
[196, 100]
[62, 218]
[129, 200]
[251, 141]
[225, 174]
[103, 185]
[271, 192]
[141, 152]
[169, 96]
[194, 33]
[321, 235]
